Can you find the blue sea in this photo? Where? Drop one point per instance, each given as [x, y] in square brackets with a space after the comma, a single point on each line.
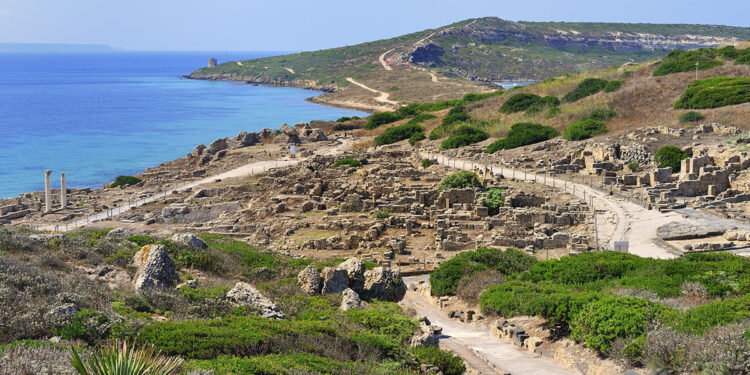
[97, 116]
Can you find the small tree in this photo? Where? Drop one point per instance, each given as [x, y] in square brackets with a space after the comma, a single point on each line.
[460, 180]
[670, 156]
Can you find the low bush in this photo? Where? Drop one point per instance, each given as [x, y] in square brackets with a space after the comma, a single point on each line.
[522, 134]
[446, 362]
[460, 180]
[416, 137]
[471, 287]
[347, 161]
[634, 166]
[379, 119]
[715, 92]
[554, 111]
[463, 136]
[494, 200]
[472, 97]
[382, 213]
[524, 102]
[426, 163]
[456, 114]
[345, 118]
[602, 115]
[558, 303]
[601, 322]
[398, 133]
[670, 156]
[588, 87]
[679, 61]
[728, 52]
[584, 129]
[613, 86]
[691, 116]
[700, 319]
[125, 181]
[445, 278]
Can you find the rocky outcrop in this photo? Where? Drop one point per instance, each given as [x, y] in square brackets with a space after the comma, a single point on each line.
[309, 280]
[427, 335]
[60, 314]
[428, 54]
[155, 269]
[350, 301]
[244, 294]
[384, 284]
[334, 280]
[355, 270]
[189, 240]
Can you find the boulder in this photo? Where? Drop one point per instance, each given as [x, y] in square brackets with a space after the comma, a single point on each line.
[155, 269]
[220, 144]
[384, 284]
[60, 314]
[198, 150]
[245, 139]
[189, 240]
[355, 270]
[350, 300]
[244, 294]
[266, 133]
[118, 232]
[334, 280]
[307, 206]
[309, 280]
[426, 335]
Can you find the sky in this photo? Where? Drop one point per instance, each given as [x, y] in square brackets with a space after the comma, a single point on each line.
[293, 25]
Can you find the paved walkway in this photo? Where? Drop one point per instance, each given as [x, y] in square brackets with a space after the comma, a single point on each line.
[483, 352]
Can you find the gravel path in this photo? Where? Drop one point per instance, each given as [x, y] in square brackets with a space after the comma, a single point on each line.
[483, 352]
[382, 97]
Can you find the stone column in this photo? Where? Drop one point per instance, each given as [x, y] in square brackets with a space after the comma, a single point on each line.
[63, 192]
[47, 192]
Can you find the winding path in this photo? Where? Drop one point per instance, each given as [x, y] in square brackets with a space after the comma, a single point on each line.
[381, 59]
[482, 351]
[382, 97]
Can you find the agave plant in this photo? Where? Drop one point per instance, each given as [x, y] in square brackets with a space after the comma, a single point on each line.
[118, 357]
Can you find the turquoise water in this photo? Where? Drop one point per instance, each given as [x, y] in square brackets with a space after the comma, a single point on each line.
[97, 116]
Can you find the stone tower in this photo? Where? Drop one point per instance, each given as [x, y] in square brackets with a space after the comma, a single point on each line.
[211, 62]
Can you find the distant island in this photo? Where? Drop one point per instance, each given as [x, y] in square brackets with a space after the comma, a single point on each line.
[53, 47]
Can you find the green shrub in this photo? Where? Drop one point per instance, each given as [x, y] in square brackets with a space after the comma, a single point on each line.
[472, 97]
[589, 86]
[584, 129]
[728, 52]
[416, 137]
[522, 134]
[125, 181]
[398, 133]
[446, 362]
[345, 118]
[87, 325]
[743, 58]
[463, 136]
[446, 277]
[715, 92]
[494, 200]
[602, 115]
[691, 116]
[634, 166]
[521, 102]
[379, 119]
[347, 161]
[700, 319]
[426, 163]
[613, 86]
[383, 213]
[460, 180]
[558, 303]
[601, 322]
[670, 156]
[456, 114]
[554, 111]
[679, 61]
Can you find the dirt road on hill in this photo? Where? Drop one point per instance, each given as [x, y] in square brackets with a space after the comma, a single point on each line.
[382, 96]
[479, 349]
[381, 59]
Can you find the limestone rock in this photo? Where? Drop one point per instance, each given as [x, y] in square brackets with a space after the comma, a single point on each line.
[220, 144]
[307, 206]
[244, 294]
[426, 336]
[118, 232]
[155, 269]
[350, 300]
[355, 270]
[309, 280]
[189, 240]
[384, 284]
[198, 150]
[334, 280]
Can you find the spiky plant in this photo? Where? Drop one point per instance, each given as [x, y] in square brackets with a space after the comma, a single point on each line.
[118, 357]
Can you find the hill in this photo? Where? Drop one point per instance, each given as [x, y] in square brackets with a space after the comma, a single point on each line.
[480, 51]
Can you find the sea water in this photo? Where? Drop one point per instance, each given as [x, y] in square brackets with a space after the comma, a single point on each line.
[97, 116]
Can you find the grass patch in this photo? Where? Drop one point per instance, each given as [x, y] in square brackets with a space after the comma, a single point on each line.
[352, 162]
[588, 87]
[125, 181]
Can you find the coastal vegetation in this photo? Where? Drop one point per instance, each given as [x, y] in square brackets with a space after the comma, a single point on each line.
[522, 134]
[619, 304]
[584, 129]
[463, 136]
[351, 162]
[670, 156]
[125, 181]
[691, 116]
[409, 130]
[588, 87]
[460, 180]
[679, 61]
[715, 92]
